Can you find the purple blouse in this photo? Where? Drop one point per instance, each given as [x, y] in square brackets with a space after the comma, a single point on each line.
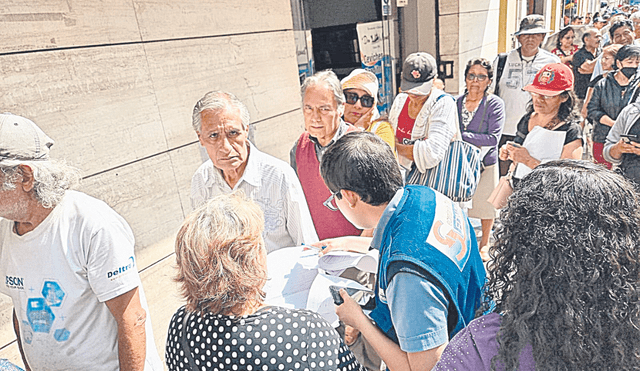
[486, 126]
[474, 346]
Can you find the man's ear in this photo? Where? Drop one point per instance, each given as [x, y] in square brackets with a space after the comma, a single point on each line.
[351, 197]
[27, 180]
[199, 138]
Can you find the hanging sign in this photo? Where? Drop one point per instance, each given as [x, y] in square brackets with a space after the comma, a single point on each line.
[373, 59]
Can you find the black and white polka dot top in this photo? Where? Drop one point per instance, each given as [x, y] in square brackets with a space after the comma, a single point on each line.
[272, 339]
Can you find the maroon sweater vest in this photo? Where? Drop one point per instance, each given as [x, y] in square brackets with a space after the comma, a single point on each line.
[329, 224]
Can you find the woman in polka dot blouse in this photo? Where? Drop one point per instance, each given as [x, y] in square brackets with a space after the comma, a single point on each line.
[225, 324]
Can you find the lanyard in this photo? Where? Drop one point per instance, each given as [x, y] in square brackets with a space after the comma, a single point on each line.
[524, 64]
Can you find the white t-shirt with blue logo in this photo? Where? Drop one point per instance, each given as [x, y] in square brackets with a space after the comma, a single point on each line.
[60, 274]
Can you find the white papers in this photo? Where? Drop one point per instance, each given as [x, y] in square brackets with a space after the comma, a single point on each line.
[543, 145]
[295, 281]
[291, 272]
[335, 262]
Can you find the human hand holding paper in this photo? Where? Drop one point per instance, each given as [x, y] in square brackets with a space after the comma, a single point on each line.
[542, 145]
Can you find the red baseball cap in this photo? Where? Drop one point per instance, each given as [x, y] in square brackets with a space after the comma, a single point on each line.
[551, 80]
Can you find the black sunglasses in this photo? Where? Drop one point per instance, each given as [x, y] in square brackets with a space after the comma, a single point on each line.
[366, 100]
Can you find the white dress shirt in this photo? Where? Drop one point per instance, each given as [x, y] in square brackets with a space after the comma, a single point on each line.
[274, 186]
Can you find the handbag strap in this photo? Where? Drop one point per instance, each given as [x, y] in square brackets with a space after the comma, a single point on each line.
[426, 130]
[484, 114]
[183, 341]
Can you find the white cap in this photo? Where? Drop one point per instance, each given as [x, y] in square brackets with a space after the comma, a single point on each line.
[22, 140]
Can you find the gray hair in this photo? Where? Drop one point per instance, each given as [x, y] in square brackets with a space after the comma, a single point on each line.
[634, 15]
[220, 255]
[587, 32]
[219, 100]
[328, 77]
[50, 179]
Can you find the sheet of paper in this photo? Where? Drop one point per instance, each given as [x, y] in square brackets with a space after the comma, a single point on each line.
[335, 262]
[291, 271]
[542, 144]
[320, 299]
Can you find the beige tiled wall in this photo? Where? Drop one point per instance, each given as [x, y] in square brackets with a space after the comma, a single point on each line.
[114, 83]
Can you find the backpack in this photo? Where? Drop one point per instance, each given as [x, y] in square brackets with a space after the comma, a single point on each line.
[502, 61]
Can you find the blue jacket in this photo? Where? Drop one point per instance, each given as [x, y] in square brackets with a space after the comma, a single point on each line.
[429, 235]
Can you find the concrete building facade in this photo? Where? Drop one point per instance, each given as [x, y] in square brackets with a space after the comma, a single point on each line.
[114, 84]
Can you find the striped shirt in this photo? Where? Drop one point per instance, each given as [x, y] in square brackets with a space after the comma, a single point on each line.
[274, 186]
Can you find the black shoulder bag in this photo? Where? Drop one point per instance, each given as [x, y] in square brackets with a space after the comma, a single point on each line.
[502, 61]
[183, 342]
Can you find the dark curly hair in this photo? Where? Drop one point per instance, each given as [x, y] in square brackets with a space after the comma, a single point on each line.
[565, 270]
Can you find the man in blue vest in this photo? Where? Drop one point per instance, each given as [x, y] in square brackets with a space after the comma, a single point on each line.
[430, 274]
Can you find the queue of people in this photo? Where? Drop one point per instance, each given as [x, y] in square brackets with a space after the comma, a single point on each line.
[556, 290]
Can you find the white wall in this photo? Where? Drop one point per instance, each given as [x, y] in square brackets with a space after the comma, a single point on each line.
[114, 84]
[478, 33]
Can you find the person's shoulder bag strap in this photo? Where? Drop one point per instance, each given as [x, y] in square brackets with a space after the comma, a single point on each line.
[484, 114]
[502, 61]
[183, 342]
[444, 94]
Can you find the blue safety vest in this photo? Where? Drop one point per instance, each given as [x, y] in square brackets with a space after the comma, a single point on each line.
[429, 235]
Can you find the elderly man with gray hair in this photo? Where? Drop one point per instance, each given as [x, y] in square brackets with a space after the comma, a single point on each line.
[221, 121]
[68, 264]
[323, 107]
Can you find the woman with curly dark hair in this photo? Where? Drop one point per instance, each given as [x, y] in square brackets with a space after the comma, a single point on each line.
[564, 277]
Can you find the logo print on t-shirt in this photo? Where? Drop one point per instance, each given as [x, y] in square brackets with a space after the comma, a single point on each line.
[40, 314]
[14, 282]
[121, 270]
[448, 233]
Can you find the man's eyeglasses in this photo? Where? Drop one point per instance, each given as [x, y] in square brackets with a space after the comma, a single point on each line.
[330, 203]
[472, 77]
[352, 98]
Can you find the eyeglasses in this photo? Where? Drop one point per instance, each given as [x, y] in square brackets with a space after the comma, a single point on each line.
[352, 98]
[544, 97]
[330, 203]
[472, 77]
